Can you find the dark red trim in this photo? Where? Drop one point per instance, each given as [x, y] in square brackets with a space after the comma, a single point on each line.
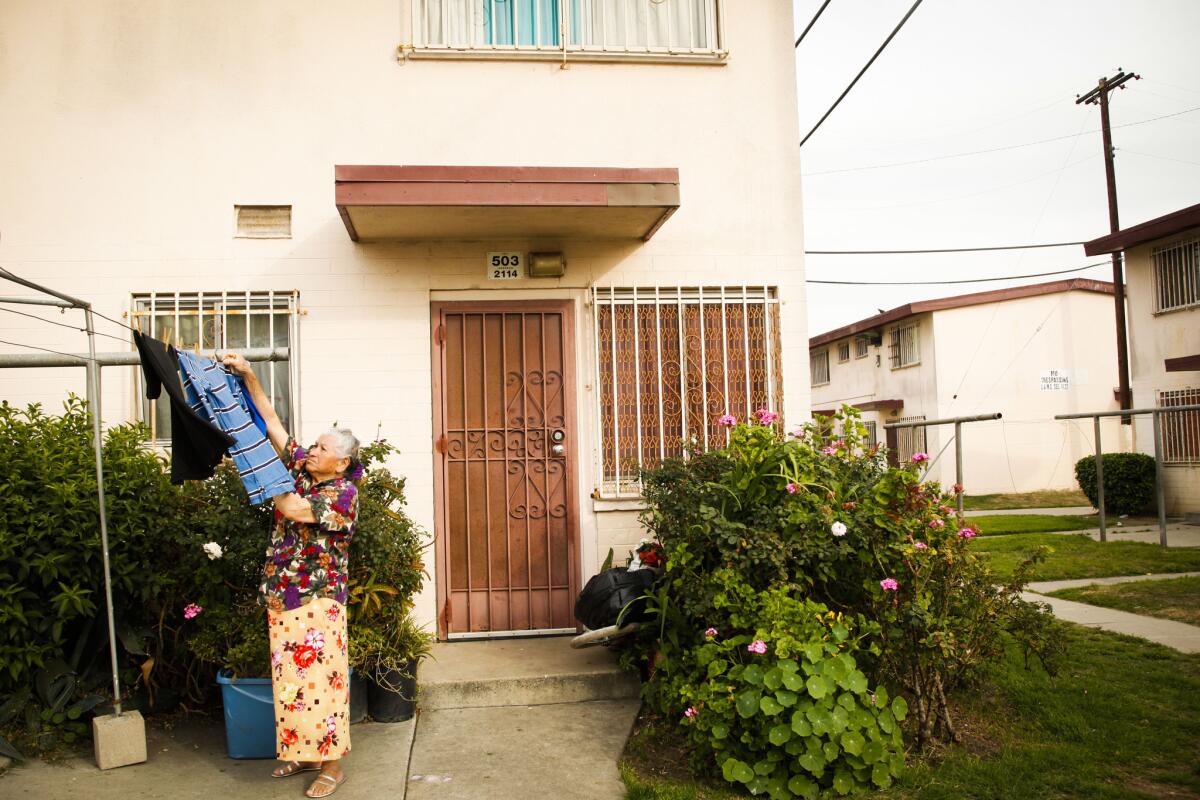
[961, 301]
[1158, 228]
[462, 174]
[1183, 364]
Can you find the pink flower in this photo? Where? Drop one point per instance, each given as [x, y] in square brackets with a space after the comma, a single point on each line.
[711, 631]
[917, 458]
[691, 712]
[889, 584]
[828, 450]
[792, 488]
[766, 416]
[936, 524]
[799, 433]
[944, 509]
[920, 545]
[757, 646]
[191, 610]
[968, 533]
[727, 420]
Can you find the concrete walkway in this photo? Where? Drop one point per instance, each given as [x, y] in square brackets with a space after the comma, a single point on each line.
[1178, 635]
[1066, 511]
[1178, 534]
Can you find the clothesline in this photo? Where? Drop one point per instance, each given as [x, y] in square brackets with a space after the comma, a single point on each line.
[62, 324]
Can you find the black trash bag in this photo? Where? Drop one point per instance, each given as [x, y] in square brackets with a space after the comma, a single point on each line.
[600, 603]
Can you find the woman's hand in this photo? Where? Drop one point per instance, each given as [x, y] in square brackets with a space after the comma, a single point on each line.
[237, 362]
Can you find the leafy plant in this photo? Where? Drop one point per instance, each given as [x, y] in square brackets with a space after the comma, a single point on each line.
[1128, 482]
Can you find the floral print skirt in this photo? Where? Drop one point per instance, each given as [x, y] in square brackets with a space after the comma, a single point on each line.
[310, 680]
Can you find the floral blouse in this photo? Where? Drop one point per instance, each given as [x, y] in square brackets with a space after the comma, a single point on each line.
[310, 560]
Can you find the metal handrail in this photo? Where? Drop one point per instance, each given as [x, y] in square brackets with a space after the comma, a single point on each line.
[1159, 493]
[957, 422]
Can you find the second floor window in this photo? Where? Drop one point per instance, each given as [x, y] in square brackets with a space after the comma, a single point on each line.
[819, 366]
[843, 351]
[1177, 275]
[861, 346]
[631, 26]
[904, 346]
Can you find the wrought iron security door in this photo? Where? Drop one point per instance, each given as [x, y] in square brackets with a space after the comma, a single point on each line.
[507, 526]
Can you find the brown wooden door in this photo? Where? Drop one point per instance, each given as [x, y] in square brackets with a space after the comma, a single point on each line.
[507, 527]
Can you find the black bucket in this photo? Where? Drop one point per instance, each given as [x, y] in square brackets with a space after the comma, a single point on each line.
[359, 689]
[393, 694]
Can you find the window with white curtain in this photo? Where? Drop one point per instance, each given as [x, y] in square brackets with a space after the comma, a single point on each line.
[818, 364]
[904, 348]
[616, 26]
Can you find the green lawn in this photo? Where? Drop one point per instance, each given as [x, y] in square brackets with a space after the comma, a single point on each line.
[1177, 599]
[1057, 498]
[1121, 720]
[1002, 524]
[1080, 556]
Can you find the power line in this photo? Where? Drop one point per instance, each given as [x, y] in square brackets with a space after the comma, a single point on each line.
[811, 22]
[46, 350]
[964, 280]
[941, 250]
[62, 324]
[861, 72]
[992, 149]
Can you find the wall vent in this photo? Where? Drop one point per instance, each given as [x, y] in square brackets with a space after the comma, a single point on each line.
[262, 222]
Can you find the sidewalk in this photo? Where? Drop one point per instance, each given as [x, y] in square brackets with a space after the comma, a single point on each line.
[1180, 636]
[1066, 511]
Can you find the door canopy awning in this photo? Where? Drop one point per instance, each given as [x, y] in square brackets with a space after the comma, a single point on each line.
[407, 203]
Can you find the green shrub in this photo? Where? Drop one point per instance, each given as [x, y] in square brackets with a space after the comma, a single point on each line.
[814, 519]
[1128, 482]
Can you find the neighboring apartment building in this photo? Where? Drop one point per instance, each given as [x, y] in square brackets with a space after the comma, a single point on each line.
[1028, 352]
[1162, 276]
[603, 257]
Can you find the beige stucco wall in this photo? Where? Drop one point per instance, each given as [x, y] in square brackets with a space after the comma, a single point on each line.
[1152, 339]
[988, 358]
[133, 128]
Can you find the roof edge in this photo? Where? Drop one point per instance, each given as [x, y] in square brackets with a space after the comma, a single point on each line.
[1157, 228]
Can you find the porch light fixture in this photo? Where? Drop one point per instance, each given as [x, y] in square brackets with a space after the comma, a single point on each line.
[547, 265]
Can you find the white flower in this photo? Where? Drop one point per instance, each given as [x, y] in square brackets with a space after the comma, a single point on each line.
[838, 529]
[213, 550]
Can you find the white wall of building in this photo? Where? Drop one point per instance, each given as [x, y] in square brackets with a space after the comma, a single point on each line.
[134, 127]
[1152, 339]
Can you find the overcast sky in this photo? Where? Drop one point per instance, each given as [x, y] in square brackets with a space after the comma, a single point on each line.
[964, 76]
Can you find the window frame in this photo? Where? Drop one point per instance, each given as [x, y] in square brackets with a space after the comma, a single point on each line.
[1181, 425]
[908, 439]
[286, 302]
[815, 358]
[896, 344]
[1188, 279]
[843, 345]
[862, 347]
[421, 48]
[697, 388]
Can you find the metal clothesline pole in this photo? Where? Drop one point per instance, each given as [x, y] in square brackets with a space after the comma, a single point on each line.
[93, 362]
[957, 422]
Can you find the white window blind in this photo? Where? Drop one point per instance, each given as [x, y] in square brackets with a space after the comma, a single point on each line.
[670, 362]
[819, 367]
[843, 351]
[861, 346]
[225, 321]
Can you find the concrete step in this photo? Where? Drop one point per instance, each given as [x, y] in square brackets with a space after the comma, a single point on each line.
[520, 672]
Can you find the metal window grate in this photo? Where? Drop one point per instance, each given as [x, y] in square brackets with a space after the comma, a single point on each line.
[1176, 275]
[664, 27]
[910, 440]
[861, 346]
[670, 362]
[1180, 429]
[872, 433]
[818, 367]
[843, 351]
[904, 345]
[263, 222]
[227, 321]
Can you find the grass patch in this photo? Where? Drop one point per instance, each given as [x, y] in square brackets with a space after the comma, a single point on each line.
[1121, 720]
[1055, 498]
[1176, 599]
[1080, 556]
[1004, 524]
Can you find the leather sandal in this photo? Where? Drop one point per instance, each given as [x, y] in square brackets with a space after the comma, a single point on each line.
[291, 768]
[325, 781]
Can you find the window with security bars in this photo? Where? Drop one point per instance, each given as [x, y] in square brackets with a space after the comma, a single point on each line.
[910, 440]
[872, 438]
[904, 345]
[1180, 429]
[208, 321]
[1176, 275]
[861, 346]
[843, 351]
[670, 363]
[818, 367]
[667, 27]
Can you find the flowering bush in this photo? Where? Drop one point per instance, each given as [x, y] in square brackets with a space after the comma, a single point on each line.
[820, 523]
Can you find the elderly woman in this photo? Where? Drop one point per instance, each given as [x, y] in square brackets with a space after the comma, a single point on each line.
[305, 591]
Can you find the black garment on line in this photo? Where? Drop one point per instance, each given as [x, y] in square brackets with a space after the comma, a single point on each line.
[197, 445]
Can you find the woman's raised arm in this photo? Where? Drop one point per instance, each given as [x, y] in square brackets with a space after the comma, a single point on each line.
[275, 430]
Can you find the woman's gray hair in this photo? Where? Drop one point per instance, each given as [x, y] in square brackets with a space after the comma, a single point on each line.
[344, 441]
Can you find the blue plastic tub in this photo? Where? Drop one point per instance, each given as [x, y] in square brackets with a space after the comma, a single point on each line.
[249, 716]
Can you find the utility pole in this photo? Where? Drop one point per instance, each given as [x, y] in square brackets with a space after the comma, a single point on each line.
[1099, 95]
